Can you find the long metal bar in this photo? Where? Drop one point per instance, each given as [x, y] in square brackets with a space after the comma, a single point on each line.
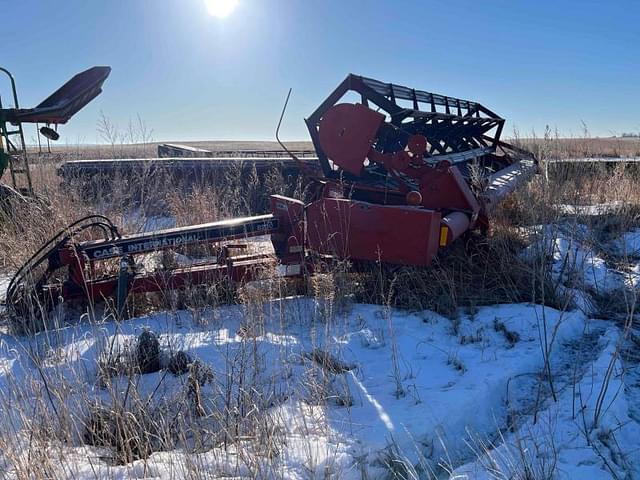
[168, 150]
[179, 237]
[191, 161]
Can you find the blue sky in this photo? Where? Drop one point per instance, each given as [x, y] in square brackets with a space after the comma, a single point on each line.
[192, 76]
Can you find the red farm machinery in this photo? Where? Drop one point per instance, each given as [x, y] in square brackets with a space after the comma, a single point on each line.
[402, 174]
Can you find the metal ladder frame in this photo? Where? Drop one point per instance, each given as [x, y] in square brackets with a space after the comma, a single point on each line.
[15, 153]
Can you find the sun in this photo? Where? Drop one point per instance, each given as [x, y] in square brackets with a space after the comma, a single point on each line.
[221, 8]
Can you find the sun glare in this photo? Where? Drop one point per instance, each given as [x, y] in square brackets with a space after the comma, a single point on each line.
[221, 8]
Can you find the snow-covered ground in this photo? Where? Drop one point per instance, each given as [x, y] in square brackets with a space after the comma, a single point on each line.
[581, 266]
[442, 401]
[628, 244]
[363, 391]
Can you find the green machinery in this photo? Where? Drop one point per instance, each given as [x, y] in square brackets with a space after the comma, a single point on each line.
[56, 109]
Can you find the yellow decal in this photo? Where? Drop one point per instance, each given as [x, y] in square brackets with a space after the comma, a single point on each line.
[443, 236]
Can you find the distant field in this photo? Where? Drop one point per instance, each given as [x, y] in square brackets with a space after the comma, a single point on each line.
[543, 148]
[582, 147]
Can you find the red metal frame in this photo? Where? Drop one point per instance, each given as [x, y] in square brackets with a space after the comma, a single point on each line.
[240, 269]
[396, 205]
